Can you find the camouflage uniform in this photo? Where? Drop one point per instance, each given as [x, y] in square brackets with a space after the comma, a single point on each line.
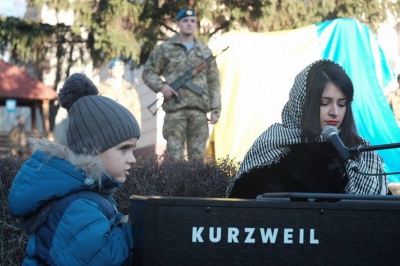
[186, 120]
[18, 138]
[127, 96]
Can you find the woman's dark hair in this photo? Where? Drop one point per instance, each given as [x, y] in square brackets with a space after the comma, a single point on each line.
[319, 75]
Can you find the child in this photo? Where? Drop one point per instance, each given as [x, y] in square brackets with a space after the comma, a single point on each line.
[64, 193]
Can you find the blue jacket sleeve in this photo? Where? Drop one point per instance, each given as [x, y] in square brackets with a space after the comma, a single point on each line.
[86, 236]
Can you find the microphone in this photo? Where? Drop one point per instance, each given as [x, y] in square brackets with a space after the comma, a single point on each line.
[331, 134]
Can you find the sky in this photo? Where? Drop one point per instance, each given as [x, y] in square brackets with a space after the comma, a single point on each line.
[12, 8]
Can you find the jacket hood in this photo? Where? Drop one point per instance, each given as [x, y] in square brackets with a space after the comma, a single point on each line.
[91, 165]
[52, 172]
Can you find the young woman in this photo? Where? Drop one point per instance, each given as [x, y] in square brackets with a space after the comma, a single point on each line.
[294, 157]
[64, 193]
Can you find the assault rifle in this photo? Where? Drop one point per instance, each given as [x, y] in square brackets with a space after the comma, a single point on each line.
[186, 79]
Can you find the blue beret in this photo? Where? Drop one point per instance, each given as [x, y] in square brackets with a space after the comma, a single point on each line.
[187, 12]
[116, 62]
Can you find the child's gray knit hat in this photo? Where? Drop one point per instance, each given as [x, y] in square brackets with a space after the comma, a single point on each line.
[95, 123]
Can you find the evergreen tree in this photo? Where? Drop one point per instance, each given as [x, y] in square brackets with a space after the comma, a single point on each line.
[258, 15]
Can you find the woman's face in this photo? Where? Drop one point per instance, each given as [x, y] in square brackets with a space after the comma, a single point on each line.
[333, 106]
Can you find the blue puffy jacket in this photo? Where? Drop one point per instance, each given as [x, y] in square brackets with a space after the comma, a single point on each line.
[71, 218]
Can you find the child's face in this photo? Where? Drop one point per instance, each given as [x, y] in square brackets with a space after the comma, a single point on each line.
[119, 159]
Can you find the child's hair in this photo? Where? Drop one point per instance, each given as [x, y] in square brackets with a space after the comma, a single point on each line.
[95, 123]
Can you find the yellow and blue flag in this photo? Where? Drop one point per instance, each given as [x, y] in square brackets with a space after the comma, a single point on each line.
[258, 71]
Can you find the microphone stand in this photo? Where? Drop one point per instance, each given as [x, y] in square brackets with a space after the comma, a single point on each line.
[358, 149]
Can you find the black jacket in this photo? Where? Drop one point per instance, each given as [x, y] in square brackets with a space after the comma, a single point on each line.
[309, 167]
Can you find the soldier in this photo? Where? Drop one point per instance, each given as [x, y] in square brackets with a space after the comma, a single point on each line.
[394, 101]
[18, 138]
[120, 90]
[186, 118]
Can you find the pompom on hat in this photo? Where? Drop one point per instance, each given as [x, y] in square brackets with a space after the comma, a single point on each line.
[187, 12]
[95, 123]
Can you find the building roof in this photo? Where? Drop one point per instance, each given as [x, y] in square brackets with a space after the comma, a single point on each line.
[17, 84]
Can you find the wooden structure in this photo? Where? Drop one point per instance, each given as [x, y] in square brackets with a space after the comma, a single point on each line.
[16, 84]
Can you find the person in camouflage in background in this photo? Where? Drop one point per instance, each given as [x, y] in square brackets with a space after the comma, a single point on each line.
[120, 90]
[186, 119]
